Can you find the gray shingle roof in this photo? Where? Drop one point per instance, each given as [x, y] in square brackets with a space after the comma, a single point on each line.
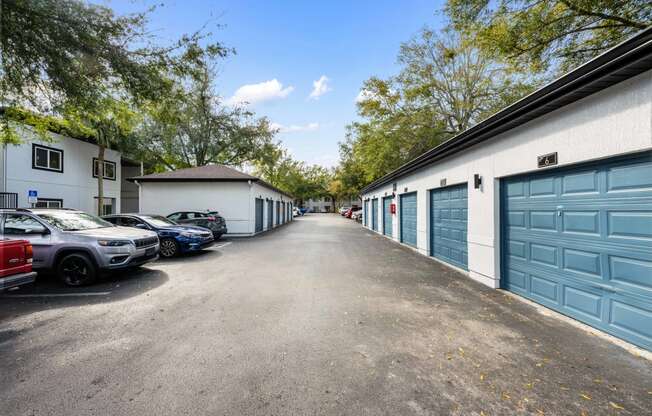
[208, 173]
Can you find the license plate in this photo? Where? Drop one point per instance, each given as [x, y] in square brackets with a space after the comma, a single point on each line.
[150, 251]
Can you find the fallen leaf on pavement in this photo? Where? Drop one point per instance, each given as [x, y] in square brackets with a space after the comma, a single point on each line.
[585, 396]
[616, 406]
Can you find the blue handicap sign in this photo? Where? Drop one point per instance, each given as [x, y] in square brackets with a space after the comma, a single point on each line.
[32, 193]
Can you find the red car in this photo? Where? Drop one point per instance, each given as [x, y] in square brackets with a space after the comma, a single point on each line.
[15, 263]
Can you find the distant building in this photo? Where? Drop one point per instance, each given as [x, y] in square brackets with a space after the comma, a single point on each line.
[248, 204]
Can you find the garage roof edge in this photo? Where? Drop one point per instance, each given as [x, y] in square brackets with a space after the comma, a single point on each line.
[623, 61]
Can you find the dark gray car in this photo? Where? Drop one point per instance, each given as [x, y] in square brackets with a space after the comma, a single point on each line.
[209, 219]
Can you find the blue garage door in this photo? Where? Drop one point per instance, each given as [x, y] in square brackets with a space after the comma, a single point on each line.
[270, 214]
[448, 225]
[259, 215]
[579, 240]
[374, 214]
[387, 216]
[408, 207]
[365, 213]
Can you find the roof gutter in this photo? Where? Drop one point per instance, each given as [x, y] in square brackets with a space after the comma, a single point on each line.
[623, 61]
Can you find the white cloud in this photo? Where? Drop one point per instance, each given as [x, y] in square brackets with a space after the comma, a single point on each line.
[364, 95]
[256, 93]
[320, 87]
[293, 128]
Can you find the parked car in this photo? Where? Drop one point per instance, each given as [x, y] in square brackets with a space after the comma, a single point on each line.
[343, 210]
[356, 215]
[348, 213]
[303, 211]
[15, 263]
[75, 245]
[175, 238]
[210, 219]
[296, 212]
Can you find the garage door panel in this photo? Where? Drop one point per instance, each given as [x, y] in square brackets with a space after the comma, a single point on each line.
[584, 302]
[584, 222]
[544, 289]
[630, 224]
[585, 182]
[542, 187]
[630, 178]
[631, 272]
[585, 262]
[579, 240]
[632, 320]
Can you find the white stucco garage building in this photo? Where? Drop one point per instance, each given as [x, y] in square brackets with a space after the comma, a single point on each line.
[248, 204]
[550, 198]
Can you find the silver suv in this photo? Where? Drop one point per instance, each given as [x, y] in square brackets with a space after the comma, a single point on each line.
[75, 245]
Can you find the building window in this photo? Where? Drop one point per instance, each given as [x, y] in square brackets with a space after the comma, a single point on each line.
[109, 169]
[49, 203]
[108, 206]
[47, 158]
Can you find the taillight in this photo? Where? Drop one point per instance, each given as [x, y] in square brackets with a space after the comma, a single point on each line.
[211, 218]
[29, 253]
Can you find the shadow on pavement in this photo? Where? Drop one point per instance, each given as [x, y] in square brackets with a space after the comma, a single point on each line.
[47, 293]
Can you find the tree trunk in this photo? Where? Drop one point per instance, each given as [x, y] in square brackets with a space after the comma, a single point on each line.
[100, 179]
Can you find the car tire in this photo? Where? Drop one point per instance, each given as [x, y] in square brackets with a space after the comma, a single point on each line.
[168, 247]
[216, 236]
[76, 269]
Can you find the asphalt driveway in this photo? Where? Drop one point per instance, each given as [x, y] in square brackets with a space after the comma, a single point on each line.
[317, 317]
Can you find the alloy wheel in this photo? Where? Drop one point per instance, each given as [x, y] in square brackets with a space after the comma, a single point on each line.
[168, 248]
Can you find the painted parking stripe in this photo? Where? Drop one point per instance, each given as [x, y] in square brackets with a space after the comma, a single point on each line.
[56, 295]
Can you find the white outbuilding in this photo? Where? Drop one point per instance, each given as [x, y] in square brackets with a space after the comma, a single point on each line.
[550, 198]
[248, 204]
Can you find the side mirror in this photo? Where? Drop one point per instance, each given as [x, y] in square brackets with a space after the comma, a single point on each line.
[141, 226]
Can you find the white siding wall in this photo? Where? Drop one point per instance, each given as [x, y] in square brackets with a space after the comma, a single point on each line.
[76, 185]
[615, 121]
[234, 201]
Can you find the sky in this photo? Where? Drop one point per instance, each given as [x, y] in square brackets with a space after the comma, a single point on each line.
[299, 63]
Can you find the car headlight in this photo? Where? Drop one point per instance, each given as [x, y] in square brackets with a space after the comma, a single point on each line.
[187, 234]
[113, 243]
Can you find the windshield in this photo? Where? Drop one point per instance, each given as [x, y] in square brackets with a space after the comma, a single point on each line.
[74, 221]
[158, 220]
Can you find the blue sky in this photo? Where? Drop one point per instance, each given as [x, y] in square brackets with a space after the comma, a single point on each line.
[283, 47]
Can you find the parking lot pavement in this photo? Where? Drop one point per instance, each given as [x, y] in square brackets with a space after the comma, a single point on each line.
[316, 317]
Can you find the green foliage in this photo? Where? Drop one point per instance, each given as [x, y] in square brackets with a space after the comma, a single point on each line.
[548, 35]
[444, 87]
[59, 51]
[11, 117]
[296, 178]
[190, 127]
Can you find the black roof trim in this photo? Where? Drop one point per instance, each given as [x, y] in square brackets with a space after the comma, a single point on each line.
[622, 62]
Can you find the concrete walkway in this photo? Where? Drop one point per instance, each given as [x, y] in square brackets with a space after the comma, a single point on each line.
[317, 317]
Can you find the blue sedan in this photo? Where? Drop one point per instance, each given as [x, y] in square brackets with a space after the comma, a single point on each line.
[174, 238]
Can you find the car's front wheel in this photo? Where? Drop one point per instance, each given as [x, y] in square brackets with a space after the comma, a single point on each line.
[169, 247]
[76, 269]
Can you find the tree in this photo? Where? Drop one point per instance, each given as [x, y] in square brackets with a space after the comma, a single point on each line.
[111, 123]
[444, 87]
[190, 127]
[542, 35]
[60, 53]
[59, 50]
